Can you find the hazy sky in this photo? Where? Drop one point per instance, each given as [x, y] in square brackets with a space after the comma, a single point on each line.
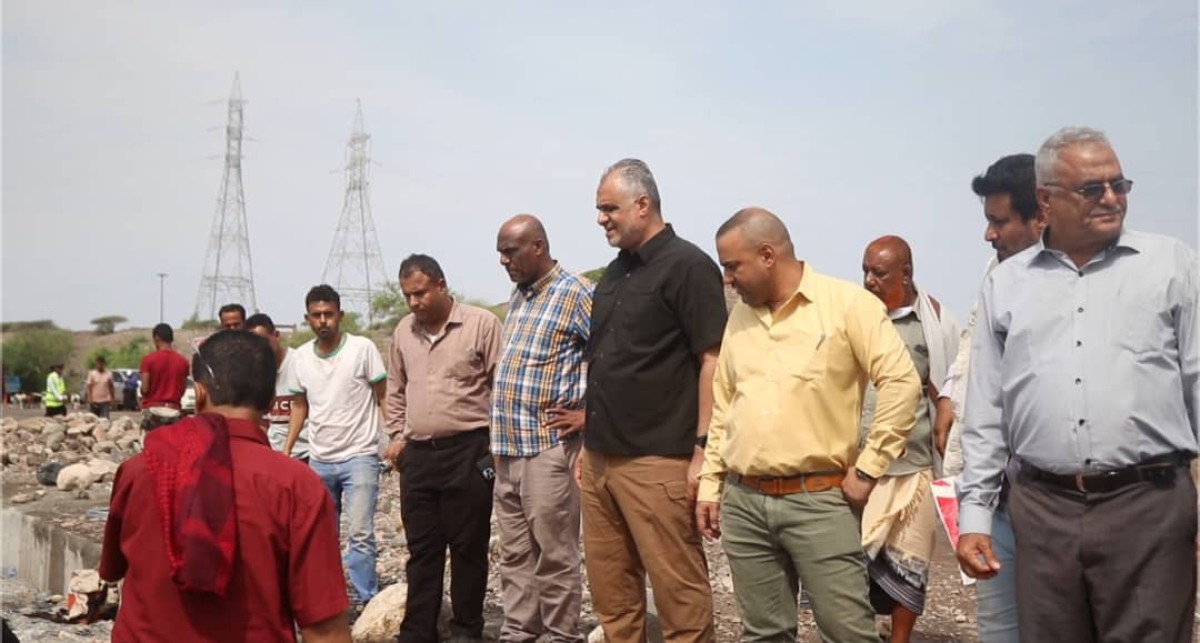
[850, 120]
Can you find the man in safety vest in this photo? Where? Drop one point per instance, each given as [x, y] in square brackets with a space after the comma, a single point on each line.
[55, 397]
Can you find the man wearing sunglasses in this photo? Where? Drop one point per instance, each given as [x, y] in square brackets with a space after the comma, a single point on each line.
[1085, 367]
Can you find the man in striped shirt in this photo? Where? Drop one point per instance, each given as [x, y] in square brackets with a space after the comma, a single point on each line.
[537, 417]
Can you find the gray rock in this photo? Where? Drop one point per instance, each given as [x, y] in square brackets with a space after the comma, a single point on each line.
[47, 474]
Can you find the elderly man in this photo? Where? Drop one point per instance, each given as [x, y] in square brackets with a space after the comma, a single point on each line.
[657, 320]
[783, 441]
[1086, 368]
[1014, 223]
[537, 416]
[900, 520]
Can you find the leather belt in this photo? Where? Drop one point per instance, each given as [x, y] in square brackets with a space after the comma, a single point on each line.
[1152, 470]
[787, 485]
[450, 440]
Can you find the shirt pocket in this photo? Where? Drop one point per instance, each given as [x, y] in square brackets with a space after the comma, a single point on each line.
[466, 365]
[805, 356]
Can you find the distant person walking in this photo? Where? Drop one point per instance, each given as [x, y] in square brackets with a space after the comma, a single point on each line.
[54, 398]
[100, 390]
[164, 375]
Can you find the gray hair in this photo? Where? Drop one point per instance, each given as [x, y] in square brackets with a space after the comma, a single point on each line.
[1047, 156]
[637, 179]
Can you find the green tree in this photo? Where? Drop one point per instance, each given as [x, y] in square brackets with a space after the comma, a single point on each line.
[128, 355]
[388, 307]
[107, 324]
[29, 354]
[18, 326]
[593, 275]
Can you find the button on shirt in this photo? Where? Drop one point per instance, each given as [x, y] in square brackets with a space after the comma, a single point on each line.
[442, 385]
[788, 391]
[542, 363]
[1078, 370]
[654, 311]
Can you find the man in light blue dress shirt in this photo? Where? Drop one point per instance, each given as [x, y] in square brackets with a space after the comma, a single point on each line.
[1085, 367]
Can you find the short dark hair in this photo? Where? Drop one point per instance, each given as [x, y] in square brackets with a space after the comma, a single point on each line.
[1012, 175]
[423, 264]
[324, 292]
[238, 369]
[163, 332]
[232, 308]
[259, 319]
[101, 359]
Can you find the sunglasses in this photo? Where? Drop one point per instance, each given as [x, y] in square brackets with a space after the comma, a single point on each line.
[1095, 191]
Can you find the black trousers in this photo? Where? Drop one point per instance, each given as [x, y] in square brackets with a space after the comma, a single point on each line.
[1106, 567]
[445, 502]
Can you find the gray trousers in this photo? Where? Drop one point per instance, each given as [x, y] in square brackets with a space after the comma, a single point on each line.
[1106, 567]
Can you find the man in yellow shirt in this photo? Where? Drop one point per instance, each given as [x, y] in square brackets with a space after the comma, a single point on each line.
[783, 479]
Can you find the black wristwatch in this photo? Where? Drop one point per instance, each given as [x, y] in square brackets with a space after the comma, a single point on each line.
[702, 441]
[862, 475]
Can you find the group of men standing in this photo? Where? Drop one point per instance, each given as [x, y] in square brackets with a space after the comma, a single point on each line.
[803, 427]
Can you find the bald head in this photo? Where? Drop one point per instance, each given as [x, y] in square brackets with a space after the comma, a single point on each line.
[524, 249]
[887, 271]
[759, 226]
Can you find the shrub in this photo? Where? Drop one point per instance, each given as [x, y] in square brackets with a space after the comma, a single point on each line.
[29, 354]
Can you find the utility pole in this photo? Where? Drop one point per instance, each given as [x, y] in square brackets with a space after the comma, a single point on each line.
[162, 277]
[228, 275]
[355, 265]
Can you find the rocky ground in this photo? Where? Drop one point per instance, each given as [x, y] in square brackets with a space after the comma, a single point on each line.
[30, 443]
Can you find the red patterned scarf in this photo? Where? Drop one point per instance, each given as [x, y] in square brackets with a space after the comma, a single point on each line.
[193, 479]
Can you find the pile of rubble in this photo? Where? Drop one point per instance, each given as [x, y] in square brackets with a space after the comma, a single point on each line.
[71, 453]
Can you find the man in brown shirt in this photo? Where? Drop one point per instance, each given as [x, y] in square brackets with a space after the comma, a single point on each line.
[438, 398]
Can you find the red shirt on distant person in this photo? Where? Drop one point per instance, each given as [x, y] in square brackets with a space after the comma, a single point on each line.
[168, 372]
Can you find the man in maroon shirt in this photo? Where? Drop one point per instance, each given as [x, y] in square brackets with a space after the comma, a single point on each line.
[163, 379]
[218, 537]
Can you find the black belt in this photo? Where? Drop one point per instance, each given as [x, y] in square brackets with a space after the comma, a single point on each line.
[451, 440]
[1156, 469]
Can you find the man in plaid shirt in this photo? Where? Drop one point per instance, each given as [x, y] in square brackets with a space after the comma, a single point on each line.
[537, 417]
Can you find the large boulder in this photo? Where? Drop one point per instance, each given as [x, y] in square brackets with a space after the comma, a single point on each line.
[54, 441]
[33, 425]
[380, 620]
[102, 469]
[75, 477]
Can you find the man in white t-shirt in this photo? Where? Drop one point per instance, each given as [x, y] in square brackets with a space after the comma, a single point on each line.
[280, 415]
[339, 381]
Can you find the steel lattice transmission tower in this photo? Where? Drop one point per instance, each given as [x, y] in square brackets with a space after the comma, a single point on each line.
[355, 265]
[228, 273]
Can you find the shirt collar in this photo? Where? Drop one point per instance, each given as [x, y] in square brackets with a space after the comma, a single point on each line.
[902, 312]
[1127, 240]
[454, 319]
[653, 246]
[246, 430]
[535, 288]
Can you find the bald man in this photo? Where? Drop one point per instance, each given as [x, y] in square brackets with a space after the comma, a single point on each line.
[783, 473]
[537, 416]
[900, 520]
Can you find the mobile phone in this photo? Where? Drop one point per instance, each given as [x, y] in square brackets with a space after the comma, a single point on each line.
[486, 467]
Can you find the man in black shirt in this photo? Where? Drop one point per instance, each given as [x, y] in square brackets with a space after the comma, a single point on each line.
[657, 320]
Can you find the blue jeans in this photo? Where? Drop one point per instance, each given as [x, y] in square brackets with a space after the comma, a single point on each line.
[357, 482]
[997, 597]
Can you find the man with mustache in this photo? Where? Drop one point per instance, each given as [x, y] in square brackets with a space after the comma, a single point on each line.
[784, 477]
[439, 391]
[1086, 369]
[537, 423]
[1014, 223]
[900, 519]
[657, 318]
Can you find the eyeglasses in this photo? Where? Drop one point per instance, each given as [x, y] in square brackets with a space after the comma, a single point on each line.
[1096, 190]
[203, 362]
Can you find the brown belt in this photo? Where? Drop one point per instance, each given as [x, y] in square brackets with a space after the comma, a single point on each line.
[786, 485]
